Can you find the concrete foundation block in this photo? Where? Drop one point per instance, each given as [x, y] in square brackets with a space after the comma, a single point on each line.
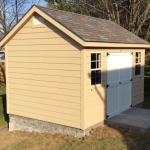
[30, 125]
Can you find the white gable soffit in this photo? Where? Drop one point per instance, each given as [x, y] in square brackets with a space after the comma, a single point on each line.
[65, 30]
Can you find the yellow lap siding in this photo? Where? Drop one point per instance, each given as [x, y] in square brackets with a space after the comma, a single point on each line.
[139, 92]
[45, 89]
[47, 35]
[96, 91]
[45, 112]
[42, 53]
[45, 60]
[49, 84]
[44, 66]
[137, 99]
[95, 95]
[46, 98]
[66, 73]
[138, 81]
[95, 116]
[44, 75]
[65, 48]
[138, 88]
[37, 115]
[95, 103]
[41, 106]
[45, 78]
[59, 41]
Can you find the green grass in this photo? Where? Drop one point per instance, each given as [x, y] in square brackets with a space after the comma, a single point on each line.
[3, 115]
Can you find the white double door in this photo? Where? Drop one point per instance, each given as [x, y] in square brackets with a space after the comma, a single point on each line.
[118, 82]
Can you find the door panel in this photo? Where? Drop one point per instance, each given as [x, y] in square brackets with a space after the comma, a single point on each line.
[125, 66]
[113, 100]
[113, 67]
[119, 82]
[125, 96]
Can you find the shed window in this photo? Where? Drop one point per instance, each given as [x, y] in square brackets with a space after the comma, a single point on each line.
[138, 63]
[95, 68]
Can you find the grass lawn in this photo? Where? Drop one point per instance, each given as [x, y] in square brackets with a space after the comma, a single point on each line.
[102, 138]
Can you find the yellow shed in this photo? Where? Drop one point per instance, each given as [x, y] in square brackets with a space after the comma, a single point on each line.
[67, 73]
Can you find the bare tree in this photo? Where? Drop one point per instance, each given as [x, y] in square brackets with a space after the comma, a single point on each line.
[131, 14]
[11, 11]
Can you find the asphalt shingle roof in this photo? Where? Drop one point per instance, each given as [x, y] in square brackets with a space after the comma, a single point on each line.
[92, 29]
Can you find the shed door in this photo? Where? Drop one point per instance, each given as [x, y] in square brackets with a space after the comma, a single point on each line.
[118, 82]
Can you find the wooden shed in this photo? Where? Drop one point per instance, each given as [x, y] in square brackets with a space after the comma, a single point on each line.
[67, 73]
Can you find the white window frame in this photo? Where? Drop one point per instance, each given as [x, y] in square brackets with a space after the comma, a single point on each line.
[96, 68]
[138, 63]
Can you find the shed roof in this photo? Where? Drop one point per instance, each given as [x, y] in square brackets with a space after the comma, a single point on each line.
[92, 29]
[87, 31]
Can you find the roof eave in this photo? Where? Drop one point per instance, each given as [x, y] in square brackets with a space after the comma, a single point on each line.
[34, 9]
[28, 15]
[115, 45]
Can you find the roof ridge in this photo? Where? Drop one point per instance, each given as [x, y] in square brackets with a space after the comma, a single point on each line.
[115, 33]
[75, 13]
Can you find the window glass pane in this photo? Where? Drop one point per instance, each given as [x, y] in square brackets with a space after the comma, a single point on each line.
[98, 73]
[139, 60]
[98, 56]
[136, 61]
[136, 54]
[137, 69]
[98, 80]
[93, 57]
[98, 64]
[137, 72]
[93, 65]
[93, 73]
[139, 54]
[92, 81]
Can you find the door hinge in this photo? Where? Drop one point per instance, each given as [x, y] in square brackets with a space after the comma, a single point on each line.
[107, 116]
[107, 86]
[108, 54]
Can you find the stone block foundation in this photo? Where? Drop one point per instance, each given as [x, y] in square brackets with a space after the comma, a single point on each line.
[33, 125]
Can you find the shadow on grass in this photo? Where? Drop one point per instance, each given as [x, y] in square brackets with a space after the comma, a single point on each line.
[111, 138]
[4, 105]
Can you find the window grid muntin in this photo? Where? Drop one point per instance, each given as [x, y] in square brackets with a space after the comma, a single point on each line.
[96, 69]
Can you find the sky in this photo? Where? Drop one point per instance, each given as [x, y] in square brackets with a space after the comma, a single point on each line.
[43, 3]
